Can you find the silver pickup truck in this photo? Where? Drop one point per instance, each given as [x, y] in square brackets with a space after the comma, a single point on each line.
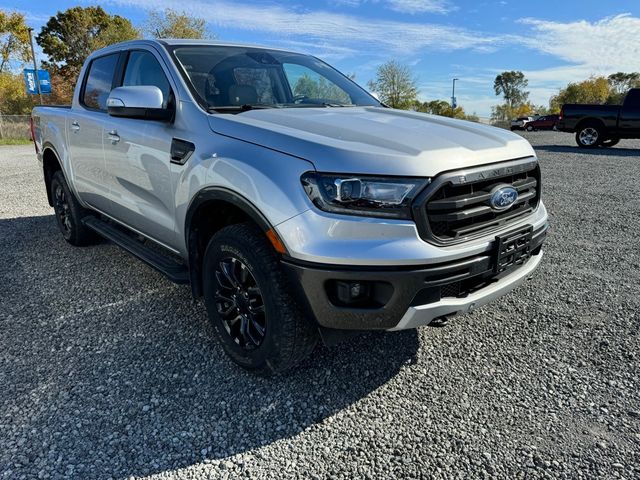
[287, 196]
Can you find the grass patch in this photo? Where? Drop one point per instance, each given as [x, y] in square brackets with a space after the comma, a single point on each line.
[15, 141]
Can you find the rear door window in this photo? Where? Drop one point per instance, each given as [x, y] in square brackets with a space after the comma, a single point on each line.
[99, 81]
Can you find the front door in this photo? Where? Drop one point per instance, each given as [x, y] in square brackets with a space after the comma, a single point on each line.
[84, 127]
[138, 159]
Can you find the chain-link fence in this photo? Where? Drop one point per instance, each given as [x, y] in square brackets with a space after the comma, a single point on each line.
[15, 126]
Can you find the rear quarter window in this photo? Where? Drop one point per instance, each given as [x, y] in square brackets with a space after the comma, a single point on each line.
[632, 99]
[99, 80]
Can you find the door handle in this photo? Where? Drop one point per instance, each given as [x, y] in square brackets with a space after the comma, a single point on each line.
[113, 136]
[75, 126]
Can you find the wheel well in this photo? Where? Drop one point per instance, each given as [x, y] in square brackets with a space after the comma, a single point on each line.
[596, 122]
[50, 165]
[208, 218]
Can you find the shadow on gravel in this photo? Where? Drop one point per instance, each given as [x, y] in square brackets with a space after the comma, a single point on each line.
[608, 152]
[108, 370]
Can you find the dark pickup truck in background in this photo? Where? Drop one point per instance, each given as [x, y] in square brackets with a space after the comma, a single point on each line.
[602, 125]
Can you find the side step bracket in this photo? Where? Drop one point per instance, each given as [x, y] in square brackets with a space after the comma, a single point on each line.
[176, 272]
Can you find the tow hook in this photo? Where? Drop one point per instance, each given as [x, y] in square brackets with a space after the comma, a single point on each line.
[439, 322]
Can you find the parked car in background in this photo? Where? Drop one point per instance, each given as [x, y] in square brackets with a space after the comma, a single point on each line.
[520, 123]
[297, 213]
[602, 125]
[548, 122]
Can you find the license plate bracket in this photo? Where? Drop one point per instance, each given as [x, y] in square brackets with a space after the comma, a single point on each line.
[512, 249]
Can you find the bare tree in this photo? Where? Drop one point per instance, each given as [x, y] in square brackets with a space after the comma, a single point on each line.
[395, 85]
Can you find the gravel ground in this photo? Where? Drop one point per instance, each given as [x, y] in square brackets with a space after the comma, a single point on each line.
[107, 370]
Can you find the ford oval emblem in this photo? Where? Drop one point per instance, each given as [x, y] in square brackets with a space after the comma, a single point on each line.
[502, 197]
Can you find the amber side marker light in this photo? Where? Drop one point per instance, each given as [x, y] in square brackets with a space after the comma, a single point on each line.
[275, 241]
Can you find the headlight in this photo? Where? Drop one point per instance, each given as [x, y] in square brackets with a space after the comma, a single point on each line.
[388, 197]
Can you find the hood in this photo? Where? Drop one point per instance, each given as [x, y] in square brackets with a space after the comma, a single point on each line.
[373, 140]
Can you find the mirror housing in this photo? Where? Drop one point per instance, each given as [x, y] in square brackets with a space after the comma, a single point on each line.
[144, 102]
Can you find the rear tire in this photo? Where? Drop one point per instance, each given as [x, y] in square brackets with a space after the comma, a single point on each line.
[69, 213]
[250, 304]
[589, 135]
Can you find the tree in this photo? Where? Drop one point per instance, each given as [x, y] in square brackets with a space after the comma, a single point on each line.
[172, 24]
[443, 108]
[511, 85]
[620, 83]
[595, 90]
[320, 88]
[501, 114]
[69, 37]
[395, 85]
[14, 39]
[13, 98]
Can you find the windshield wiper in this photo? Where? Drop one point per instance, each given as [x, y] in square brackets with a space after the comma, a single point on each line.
[238, 108]
[325, 104]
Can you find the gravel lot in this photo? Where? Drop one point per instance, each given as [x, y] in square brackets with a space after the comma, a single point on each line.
[107, 370]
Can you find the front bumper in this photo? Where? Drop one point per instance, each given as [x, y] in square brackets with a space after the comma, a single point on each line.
[407, 296]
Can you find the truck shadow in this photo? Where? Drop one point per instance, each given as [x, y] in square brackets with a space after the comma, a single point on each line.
[109, 370]
[616, 151]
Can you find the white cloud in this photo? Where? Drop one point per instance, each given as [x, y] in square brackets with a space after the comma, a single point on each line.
[420, 6]
[404, 6]
[605, 46]
[395, 37]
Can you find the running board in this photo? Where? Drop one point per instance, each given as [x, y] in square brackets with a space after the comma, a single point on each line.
[174, 271]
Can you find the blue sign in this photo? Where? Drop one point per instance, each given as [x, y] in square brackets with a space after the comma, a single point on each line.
[30, 81]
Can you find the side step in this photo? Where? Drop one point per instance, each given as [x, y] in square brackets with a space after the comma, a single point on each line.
[174, 271]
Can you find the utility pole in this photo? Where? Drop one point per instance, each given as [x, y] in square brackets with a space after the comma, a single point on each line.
[35, 65]
[453, 97]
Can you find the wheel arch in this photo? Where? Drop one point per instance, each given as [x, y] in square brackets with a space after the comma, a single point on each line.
[210, 210]
[594, 121]
[50, 164]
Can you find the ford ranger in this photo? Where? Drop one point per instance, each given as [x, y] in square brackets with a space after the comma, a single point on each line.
[292, 200]
[602, 125]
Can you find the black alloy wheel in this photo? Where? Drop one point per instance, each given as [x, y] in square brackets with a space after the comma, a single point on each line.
[240, 304]
[62, 209]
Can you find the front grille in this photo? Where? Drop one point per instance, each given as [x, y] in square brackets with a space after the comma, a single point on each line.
[455, 207]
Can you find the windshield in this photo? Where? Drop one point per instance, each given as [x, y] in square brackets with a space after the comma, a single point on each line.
[237, 78]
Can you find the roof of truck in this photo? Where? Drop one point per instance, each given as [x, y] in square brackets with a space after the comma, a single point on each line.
[183, 41]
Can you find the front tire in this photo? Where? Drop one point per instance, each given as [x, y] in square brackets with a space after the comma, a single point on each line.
[610, 142]
[250, 304]
[69, 213]
[530, 128]
[589, 136]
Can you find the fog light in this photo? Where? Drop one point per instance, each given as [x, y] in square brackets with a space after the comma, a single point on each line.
[350, 292]
[358, 293]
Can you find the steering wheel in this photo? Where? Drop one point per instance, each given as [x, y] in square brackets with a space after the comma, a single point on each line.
[297, 99]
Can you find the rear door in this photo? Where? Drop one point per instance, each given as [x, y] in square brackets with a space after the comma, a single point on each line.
[84, 127]
[629, 121]
[138, 158]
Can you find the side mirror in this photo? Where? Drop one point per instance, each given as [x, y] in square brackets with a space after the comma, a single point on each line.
[144, 102]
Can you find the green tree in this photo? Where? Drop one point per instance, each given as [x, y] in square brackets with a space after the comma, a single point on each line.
[70, 36]
[512, 85]
[443, 108]
[620, 84]
[595, 90]
[172, 24]
[14, 39]
[395, 85]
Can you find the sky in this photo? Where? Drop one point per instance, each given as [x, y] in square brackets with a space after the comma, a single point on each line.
[553, 42]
